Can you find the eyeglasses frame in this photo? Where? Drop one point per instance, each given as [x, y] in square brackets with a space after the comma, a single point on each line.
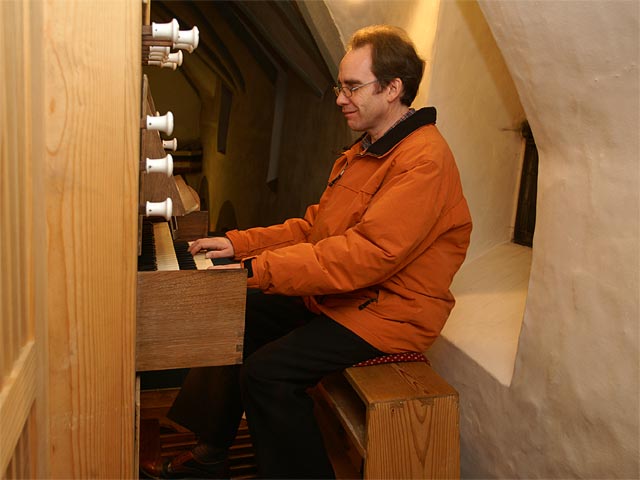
[344, 89]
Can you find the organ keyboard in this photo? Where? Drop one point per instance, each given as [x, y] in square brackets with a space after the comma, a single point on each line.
[161, 252]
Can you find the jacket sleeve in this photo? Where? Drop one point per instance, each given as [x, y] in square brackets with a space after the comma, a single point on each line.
[400, 218]
[250, 242]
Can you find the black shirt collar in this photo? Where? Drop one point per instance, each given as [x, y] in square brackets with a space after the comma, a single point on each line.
[422, 117]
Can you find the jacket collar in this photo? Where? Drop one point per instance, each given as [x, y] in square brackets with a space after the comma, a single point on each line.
[422, 117]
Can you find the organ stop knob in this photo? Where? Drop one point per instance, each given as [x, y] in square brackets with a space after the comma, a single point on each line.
[160, 209]
[160, 165]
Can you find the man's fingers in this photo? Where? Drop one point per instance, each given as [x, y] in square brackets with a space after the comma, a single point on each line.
[215, 254]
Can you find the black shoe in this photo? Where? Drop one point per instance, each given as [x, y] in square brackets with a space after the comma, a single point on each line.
[151, 469]
[186, 465]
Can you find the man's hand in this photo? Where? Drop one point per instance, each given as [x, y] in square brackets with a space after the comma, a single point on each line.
[216, 247]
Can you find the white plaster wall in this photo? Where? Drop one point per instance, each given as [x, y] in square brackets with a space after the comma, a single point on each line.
[572, 409]
[480, 115]
[418, 17]
[575, 388]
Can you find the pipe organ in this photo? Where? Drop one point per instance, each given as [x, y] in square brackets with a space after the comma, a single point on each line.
[186, 315]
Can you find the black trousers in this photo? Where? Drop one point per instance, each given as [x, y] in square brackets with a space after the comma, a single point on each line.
[287, 349]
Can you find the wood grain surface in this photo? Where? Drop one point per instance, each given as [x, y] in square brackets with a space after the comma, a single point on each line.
[91, 112]
[190, 318]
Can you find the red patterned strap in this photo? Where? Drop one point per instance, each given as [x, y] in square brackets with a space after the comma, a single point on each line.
[394, 358]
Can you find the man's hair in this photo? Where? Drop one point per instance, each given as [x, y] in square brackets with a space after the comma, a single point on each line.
[393, 55]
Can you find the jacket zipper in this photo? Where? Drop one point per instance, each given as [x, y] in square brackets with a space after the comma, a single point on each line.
[346, 165]
[369, 301]
[339, 176]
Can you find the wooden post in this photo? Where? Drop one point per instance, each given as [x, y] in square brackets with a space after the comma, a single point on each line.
[91, 75]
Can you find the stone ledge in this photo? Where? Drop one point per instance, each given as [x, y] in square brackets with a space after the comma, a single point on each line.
[491, 293]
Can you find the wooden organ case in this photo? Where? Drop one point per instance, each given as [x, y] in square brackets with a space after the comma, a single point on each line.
[185, 317]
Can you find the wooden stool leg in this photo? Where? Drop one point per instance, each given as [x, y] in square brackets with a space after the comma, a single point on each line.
[413, 439]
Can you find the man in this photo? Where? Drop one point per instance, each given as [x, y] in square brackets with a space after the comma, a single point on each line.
[365, 272]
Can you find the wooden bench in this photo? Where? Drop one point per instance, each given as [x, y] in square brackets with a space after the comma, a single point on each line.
[394, 420]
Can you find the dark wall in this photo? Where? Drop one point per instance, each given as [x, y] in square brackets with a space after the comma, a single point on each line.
[243, 62]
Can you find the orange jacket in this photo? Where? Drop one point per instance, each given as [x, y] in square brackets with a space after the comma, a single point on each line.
[378, 253]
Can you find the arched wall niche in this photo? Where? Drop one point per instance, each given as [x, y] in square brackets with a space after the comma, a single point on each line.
[581, 95]
[480, 114]
[571, 409]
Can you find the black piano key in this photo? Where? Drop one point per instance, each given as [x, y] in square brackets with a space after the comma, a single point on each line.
[147, 258]
[185, 259]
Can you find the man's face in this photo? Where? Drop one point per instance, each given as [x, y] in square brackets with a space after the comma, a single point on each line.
[367, 108]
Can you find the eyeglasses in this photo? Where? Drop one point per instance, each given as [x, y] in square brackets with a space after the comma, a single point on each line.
[348, 91]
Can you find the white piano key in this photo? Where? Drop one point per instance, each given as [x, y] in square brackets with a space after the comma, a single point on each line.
[165, 253]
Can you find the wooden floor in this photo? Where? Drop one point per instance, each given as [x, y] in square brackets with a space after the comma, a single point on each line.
[165, 439]
[161, 437]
